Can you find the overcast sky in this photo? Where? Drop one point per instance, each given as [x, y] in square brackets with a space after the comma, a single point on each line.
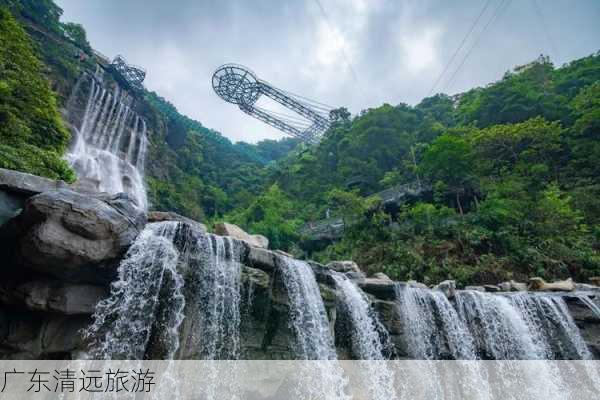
[352, 53]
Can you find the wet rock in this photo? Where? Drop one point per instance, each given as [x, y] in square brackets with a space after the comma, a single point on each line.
[595, 280]
[504, 286]
[262, 259]
[35, 336]
[475, 288]
[27, 184]
[75, 237]
[10, 206]
[381, 275]
[54, 296]
[491, 288]
[517, 286]
[448, 287]
[384, 289]
[344, 266]
[160, 216]
[416, 285]
[538, 284]
[225, 229]
[584, 287]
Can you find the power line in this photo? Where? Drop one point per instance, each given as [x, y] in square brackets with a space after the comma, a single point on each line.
[343, 47]
[544, 25]
[501, 7]
[459, 48]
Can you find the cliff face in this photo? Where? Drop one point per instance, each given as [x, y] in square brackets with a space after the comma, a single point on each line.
[62, 248]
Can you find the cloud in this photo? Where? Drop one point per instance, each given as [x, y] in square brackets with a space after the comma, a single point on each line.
[396, 48]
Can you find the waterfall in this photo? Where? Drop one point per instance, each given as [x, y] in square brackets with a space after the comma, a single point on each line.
[218, 297]
[172, 270]
[521, 326]
[308, 317]
[365, 337]
[433, 329]
[110, 143]
[123, 322]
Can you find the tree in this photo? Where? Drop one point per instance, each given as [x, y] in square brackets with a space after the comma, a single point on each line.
[33, 137]
[449, 160]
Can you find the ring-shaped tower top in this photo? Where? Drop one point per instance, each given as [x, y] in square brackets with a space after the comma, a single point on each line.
[236, 84]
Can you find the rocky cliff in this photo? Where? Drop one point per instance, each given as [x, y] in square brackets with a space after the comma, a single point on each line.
[62, 248]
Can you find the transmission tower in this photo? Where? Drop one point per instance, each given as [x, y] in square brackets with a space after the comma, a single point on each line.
[238, 85]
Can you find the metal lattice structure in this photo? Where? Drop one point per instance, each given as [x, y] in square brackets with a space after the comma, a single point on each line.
[238, 85]
[132, 74]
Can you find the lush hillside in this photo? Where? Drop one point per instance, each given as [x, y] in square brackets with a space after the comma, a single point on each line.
[32, 135]
[191, 170]
[513, 166]
[514, 172]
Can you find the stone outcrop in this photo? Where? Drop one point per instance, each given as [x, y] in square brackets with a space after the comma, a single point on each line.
[225, 229]
[16, 187]
[74, 237]
[538, 284]
[160, 216]
[53, 296]
[63, 247]
[447, 287]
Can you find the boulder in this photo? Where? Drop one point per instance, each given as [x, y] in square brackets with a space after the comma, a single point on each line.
[491, 288]
[54, 296]
[448, 287]
[384, 289]
[512, 286]
[225, 229]
[584, 287]
[382, 276]
[75, 237]
[27, 184]
[416, 285]
[160, 216]
[10, 206]
[538, 284]
[475, 288]
[34, 336]
[262, 259]
[344, 266]
[517, 286]
[595, 280]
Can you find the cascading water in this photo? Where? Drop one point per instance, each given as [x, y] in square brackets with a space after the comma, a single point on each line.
[111, 141]
[123, 322]
[433, 329]
[521, 326]
[218, 297]
[365, 337]
[308, 317]
[173, 280]
[365, 334]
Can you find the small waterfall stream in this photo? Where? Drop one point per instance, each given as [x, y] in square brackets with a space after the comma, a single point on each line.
[123, 322]
[433, 329]
[365, 336]
[173, 280]
[218, 297]
[365, 332]
[111, 139]
[308, 317]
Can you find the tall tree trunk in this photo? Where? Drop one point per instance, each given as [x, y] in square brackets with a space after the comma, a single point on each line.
[460, 209]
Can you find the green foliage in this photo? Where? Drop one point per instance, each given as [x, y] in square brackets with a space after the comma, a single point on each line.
[512, 166]
[272, 215]
[32, 133]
